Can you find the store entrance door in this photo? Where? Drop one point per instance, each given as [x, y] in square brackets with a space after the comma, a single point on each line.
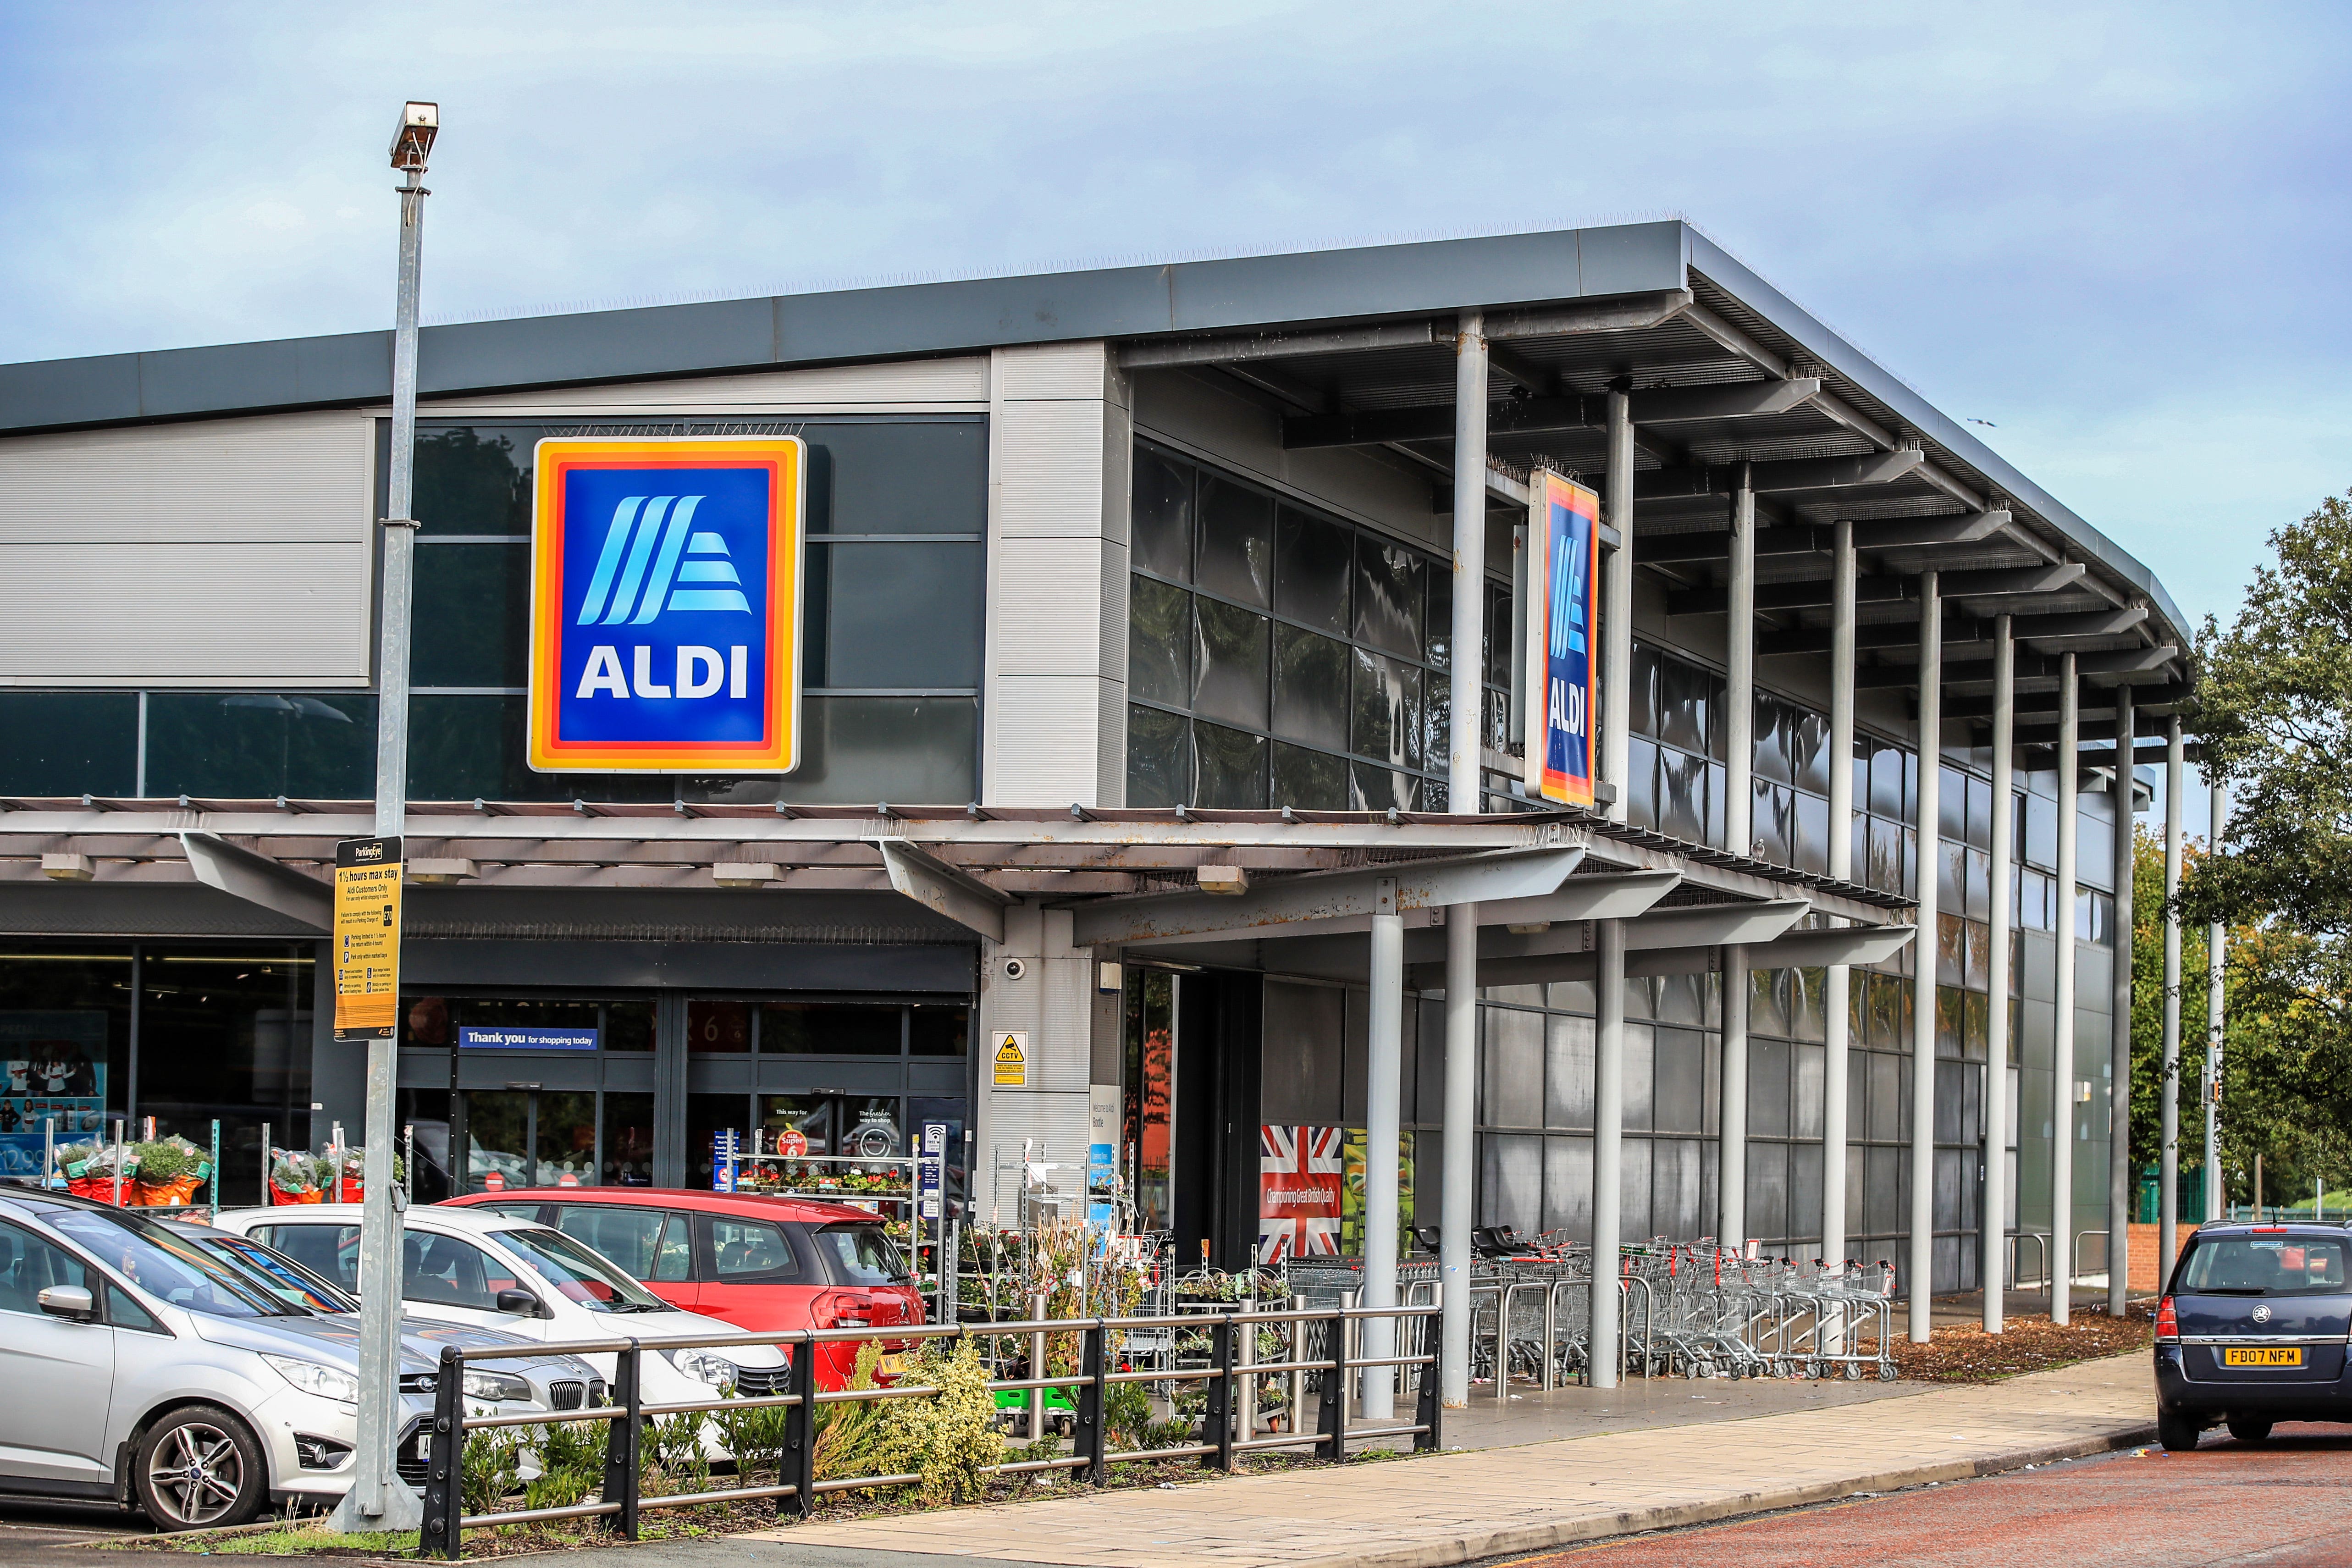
[530, 1138]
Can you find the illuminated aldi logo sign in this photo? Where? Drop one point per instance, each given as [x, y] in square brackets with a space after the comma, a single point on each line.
[666, 604]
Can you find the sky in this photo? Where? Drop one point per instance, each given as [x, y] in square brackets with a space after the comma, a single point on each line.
[2115, 233]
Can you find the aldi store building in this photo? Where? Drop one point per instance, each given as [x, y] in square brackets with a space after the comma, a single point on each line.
[1105, 579]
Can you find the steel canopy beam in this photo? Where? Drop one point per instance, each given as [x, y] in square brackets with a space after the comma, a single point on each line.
[945, 889]
[1613, 898]
[1298, 906]
[1816, 593]
[258, 879]
[1698, 926]
[1777, 477]
[1530, 415]
[1906, 633]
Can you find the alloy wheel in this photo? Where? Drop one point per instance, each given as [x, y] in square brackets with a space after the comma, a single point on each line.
[196, 1473]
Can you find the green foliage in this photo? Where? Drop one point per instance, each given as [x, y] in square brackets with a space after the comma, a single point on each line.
[2274, 712]
[162, 1161]
[949, 1439]
[1126, 1411]
[671, 1456]
[490, 1470]
[754, 1437]
[848, 1433]
[1176, 1432]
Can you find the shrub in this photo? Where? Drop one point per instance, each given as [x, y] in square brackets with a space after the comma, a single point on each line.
[672, 1455]
[755, 1437]
[949, 1439]
[490, 1469]
[1126, 1411]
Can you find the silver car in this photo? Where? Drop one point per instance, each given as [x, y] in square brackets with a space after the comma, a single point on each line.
[194, 1373]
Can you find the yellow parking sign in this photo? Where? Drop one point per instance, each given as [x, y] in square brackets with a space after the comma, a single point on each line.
[1012, 1057]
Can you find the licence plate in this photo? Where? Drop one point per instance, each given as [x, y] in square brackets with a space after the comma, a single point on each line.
[2248, 1355]
[890, 1367]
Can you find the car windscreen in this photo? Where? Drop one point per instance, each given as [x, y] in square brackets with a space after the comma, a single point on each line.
[577, 1274]
[173, 1267]
[861, 1254]
[288, 1279]
[2264, 1266]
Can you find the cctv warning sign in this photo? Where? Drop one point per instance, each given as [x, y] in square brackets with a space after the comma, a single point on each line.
[1010, 1053]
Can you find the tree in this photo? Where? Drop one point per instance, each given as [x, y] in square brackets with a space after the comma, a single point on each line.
[2273, 710]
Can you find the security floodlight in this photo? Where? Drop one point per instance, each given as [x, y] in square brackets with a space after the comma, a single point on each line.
[412, 141]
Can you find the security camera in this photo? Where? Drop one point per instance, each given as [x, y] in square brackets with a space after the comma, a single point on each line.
[1015, 969]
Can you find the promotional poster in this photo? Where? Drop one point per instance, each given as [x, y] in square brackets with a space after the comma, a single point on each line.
[55, 1070]
[1564, 559]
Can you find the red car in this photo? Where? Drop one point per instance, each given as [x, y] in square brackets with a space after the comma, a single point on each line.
[760, 1263]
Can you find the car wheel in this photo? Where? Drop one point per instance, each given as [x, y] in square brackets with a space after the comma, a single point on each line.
[200, 1469]
[2176, 1430]
[2249, 1429]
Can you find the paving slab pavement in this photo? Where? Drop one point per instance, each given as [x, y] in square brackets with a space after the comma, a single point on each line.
[1460, 1506]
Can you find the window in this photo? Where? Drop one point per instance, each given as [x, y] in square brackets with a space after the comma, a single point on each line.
[746, 1250]
[860, 1255]
[1279, 656]
[30, 1264]
[318, 1248]
[2264, 1266]
[636, 1238]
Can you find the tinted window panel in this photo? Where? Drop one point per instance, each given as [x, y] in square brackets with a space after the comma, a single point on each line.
[897, 476]
[1232, 767]
[1161, 538]
[1230, 649]
[1159, 758]
[472, 748]
[470, 478]
[1391, 582]
[1308, 781]
[1311, 688]
[861, 749]
[750, 1249]
[798, 1028]
[472, 615]
[892, 615]
[1312, 569]
[68, 743]
[1158, 642]
[259, 745]
[1236, 547]
[629, 1236]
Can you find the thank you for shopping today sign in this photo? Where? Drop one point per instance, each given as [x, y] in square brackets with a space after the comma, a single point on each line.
[666, 602]
[1564, 561]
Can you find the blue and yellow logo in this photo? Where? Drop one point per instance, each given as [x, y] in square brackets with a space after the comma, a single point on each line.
[666, 604]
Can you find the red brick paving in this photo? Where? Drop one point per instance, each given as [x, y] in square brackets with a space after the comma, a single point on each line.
[2282, 1504]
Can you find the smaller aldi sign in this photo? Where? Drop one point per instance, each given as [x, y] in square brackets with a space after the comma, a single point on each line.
[1563, 566]
[666, 604]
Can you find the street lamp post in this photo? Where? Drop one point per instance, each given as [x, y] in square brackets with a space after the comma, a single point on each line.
[379, 1499]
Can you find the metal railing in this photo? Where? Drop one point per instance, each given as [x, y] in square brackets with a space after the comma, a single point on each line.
[796, 1489]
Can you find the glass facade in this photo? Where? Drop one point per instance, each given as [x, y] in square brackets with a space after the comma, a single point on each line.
[1278, 655]
[892, 605]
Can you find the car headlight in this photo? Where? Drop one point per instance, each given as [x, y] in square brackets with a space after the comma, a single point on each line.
[704, 1367]
[326, 1382]
[496, 1385]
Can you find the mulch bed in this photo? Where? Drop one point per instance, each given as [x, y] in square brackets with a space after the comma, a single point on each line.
[1963, 1352]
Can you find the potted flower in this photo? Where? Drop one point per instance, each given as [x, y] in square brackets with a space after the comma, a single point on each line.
[295, 1177]
[167, 1175]
[89, 1168]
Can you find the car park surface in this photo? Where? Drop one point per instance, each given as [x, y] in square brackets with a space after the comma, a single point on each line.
[758, 1262]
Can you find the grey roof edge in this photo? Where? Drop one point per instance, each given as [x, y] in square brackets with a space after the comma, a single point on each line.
[898, 321]
[1800, 326]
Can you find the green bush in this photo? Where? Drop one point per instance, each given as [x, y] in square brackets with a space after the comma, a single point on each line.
[671, 1456]
[754, 1437]
[1126, 1411]
[490, 1470]
[949, 1439]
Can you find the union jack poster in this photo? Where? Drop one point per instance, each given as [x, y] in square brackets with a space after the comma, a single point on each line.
[1299, 1175]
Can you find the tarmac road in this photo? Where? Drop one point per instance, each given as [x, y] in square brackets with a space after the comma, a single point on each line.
[2279, 1503]
[44, 1535]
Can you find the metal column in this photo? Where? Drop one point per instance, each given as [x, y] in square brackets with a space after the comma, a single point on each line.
[2119, 1036]
[1617, 608]
[2218, 806]
[1383, 1106]
[2167, 1240]
[1993, 1219]
[1836, 982]
[378, 1498]
[1732, 1161]
[1739, 675]
[1467, 732]
[2062, 1117]
[1922, 1260]
[1608, 1149]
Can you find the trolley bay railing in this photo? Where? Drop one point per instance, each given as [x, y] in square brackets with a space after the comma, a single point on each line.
[1228, 1377]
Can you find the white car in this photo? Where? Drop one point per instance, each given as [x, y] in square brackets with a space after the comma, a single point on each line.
[490, 1270]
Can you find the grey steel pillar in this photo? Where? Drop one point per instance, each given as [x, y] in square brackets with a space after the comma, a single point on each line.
[2119, 1036]
[2167, 1241]
[1617, 608]
[1608, 1149]
[1922, 1260]
[1839, 1003]
[1739, 677]
[1467, 734]
[1383, 1107]
[2062, 1118]
[2218, 805]
[1994, 1222]
[1732, 1162]
[378, 1498]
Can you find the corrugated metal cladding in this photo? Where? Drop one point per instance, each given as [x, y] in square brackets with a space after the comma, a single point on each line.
[225, 551]
[1060, 432]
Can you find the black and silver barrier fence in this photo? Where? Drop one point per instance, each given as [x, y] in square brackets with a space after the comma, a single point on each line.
[797, 1489]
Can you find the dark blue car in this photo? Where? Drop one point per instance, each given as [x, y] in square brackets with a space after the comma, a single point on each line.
[2253, 1331]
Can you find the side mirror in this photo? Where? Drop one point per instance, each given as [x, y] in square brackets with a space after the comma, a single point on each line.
[522, 1304]
[68, 1301]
